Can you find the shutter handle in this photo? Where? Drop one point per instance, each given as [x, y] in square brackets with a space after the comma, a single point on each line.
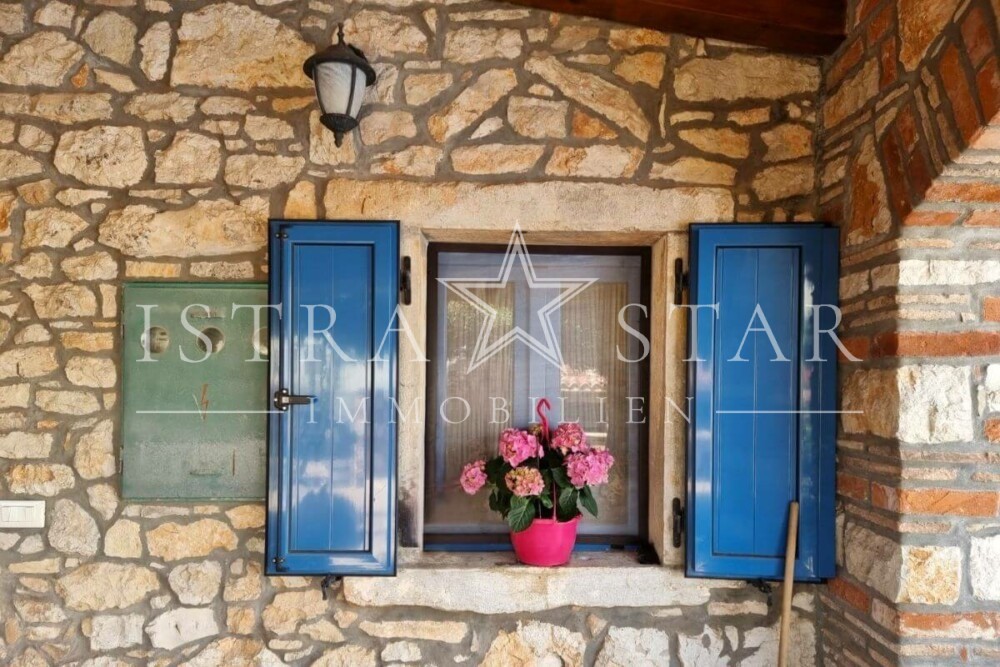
[282, 399]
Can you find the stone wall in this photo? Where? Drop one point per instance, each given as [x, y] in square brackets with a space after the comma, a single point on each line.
[153, 139]
[908, 165]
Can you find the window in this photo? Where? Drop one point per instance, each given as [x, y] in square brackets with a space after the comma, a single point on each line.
[496, 349]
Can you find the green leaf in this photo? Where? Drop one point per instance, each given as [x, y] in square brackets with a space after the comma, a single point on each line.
[546, 500]
[567, 501]
[521, 514]
[588, 501]
[552, 459]
[560, 477]
[503, 500]
[496, 468]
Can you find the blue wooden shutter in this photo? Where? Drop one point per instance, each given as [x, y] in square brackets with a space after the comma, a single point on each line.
[332, 461]
[763, 430]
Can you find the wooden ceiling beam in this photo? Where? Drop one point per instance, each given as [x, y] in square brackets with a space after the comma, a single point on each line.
[809, 27]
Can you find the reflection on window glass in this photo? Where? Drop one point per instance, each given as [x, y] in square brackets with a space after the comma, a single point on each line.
[595, 384]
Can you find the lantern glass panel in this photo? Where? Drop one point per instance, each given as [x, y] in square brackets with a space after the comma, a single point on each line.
[334, 84]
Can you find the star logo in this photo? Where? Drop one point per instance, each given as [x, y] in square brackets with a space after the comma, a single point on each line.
[517, 255]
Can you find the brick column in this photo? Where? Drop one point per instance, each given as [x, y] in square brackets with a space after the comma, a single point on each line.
[909, 166]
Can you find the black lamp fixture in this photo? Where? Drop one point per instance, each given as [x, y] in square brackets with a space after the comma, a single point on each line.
[341, 73]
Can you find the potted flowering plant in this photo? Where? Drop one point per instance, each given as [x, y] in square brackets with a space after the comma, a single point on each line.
[538, 482]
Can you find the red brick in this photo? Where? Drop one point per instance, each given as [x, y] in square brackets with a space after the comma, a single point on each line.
[949, 344]
[906, 122]
[893, 160]
[845, 62]
[977, 37]
[931, 218]
[888, 63]
[940, 502]
[849, 593]
[881, 22]
[833, 210]
[884, 497]
[956, 87]
[983, 218]
[988, 85]
[964, 192]
[864, 8]
[859, 347]
[918, 172]
[965, 625]
[991, 309]
[992, 430]
[852, 487]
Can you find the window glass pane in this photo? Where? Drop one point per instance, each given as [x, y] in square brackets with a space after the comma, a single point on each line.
[596, 387]
[472, 397]
[461, 416]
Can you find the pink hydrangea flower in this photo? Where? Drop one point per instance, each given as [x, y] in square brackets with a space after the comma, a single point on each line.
[518, 446]
[589, 467]
[569, 437]
[525, 481]
[473, 476]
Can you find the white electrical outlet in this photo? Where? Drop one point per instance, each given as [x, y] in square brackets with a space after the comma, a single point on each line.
[22, 513]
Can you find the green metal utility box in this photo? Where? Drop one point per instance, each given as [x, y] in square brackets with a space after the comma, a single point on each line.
[194, 367]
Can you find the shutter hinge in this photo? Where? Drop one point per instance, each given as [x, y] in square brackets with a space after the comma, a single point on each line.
[279, 563]
[121, 462]
[678, 522]
[405, 288]
[681, 281]
[281, 234]
[329, 579]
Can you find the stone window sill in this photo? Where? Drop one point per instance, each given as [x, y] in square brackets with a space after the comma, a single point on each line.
[494, 583]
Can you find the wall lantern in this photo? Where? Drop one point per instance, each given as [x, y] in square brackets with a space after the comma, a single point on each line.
[341, 73]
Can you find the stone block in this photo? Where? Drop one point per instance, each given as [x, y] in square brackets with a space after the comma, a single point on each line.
[181, 626]
[173, 541]
[261, 51]
[536, 643]
[558, 206]
[916, 404]
[644, 647]
[100, 586]
[873, 559]
[984, 567]
[112, 632]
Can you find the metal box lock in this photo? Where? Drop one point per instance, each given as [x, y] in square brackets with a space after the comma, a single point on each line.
[194, 365]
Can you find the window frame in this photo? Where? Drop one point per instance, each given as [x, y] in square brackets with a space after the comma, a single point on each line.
[499, 542]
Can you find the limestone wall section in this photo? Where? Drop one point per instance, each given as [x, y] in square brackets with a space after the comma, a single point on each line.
[153, 139]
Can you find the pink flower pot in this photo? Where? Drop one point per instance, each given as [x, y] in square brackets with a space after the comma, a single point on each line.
[546, 542]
